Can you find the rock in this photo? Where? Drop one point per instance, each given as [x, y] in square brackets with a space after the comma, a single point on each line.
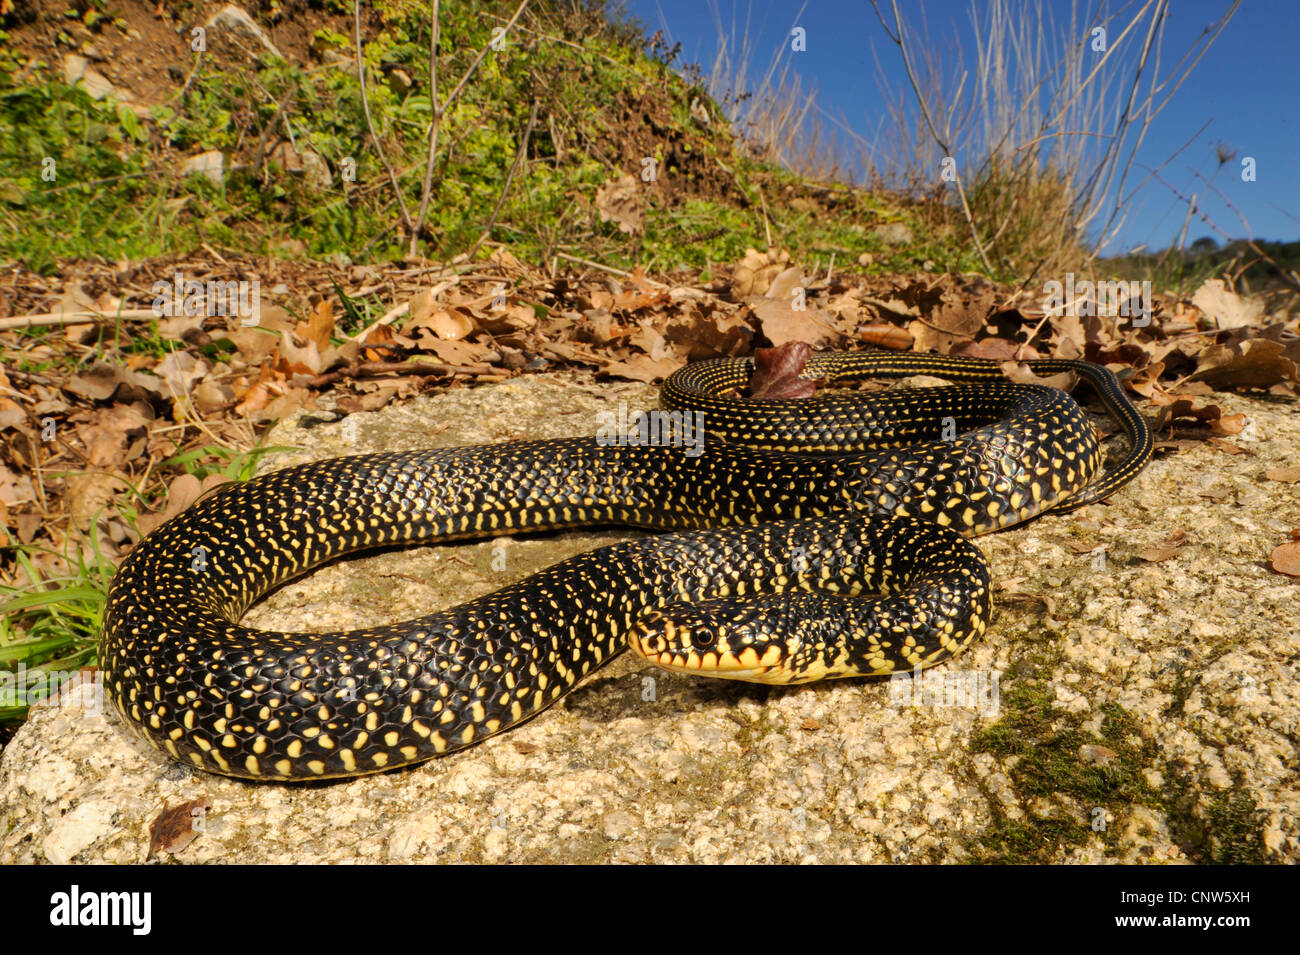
[74, 67]
[77, 68]
[893, 233]
[1096, 755]
[708, 771]
[400, 82]
[210, 164]
[309, 164]
[234, 23]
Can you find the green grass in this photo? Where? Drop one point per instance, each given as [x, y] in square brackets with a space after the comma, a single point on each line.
[50, 625]
[118, 192]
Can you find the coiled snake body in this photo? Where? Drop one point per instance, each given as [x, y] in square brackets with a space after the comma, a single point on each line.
[762, 581]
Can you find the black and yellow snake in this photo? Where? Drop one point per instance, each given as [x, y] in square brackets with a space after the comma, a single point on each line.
[787, 515]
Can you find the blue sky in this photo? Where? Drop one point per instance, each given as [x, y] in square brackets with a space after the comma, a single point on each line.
[1247, 87]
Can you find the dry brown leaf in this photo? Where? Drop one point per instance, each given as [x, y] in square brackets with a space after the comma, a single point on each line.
[567, 351]
[115, 435]
[178, 328]
[257, 342]
[293, 400]
[1285, 559]
[89, 493]
[1225, 308]
[707, 334]
[1256, 363]
[620, 200]
[1157, 554]
[183, 491]
[1023, 375]
[1227, 447]
[776, 372]
[650, 340]
[15, 488]
[460, 352]
[11, 414]
[376, 336]
[320, 326]
[642, 368]
[296, 355]
[884, 335]
[1286, 475]
[997, 349]
[756, 270]
[1212, 415]
[175, 828]
[261, 394]
[781, 323]
[99, 382]
[178, 371]
[211, 396]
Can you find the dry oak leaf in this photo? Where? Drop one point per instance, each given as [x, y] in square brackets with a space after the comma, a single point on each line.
[183, 491]
[756, 270]
[89, 493]
[116, 434]
[1287, 475]
[1168, 548]
[1227, 447]
[886, 336]
[320, 325]
[102, 380]
[643, 368]
[11, 414]
[1256, 363]
[997, 349]
[782, 323]
[620, 201]
[445, 322]
[1285, 559]
[175, 828]
[777, 370]
[1226, 308]
[257, 342]
[15, 488]
[1212, 415]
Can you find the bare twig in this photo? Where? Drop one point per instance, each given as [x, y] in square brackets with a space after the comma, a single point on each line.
[929, 122]
[435, 122]
[75, 318]
[370, 123]
[606, 268]
[371, 369]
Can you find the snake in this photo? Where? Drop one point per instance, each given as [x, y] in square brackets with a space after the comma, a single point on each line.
[799, 540]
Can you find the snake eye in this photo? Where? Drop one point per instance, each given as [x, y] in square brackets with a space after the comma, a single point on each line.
[705, 637]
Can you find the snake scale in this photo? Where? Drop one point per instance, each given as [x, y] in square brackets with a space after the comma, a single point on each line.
[791, 518]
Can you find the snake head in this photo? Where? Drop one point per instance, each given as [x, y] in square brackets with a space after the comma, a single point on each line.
[752, 640]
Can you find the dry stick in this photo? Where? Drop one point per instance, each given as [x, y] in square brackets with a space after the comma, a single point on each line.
[266, 134]
[607, 268]
[74, 318]
[1254, 247]
[929, 122]
[370, 123]
[505, 189]
[371, 368]
[1212, 32]
[435, 123]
